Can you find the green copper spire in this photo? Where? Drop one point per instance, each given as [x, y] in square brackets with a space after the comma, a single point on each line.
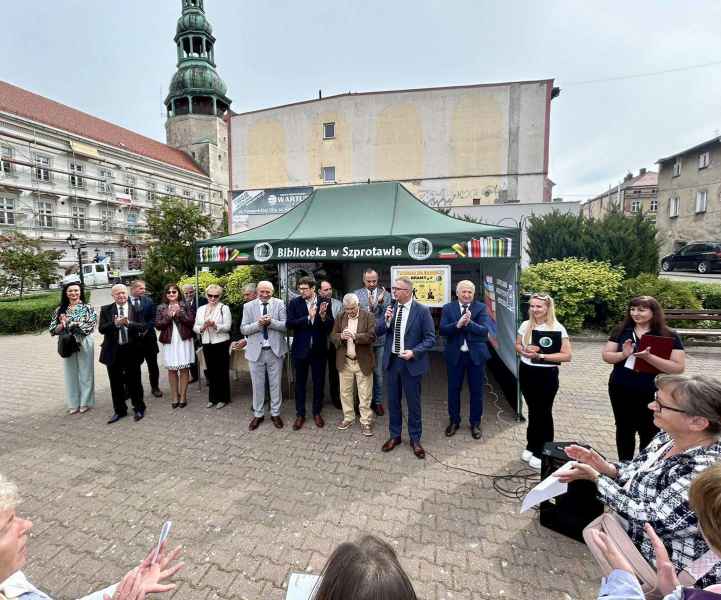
[196, 87]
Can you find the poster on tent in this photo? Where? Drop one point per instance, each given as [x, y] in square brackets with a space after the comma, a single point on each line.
[500, 296]
[432, 283]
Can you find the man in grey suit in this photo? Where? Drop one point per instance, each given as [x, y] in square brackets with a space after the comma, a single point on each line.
[375, 300]
[264, 326]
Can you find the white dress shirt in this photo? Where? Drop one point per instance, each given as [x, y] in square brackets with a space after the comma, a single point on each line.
[464, 346]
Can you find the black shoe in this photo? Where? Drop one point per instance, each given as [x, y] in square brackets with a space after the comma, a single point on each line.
[476, 431]
[157, 393]
[115, 418]
[451, 429]
[192, 381]
[139, 414]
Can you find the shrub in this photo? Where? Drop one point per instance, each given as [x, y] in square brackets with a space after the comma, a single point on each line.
[708, 293]
[580, 288]
[241, 276]
[205, 278]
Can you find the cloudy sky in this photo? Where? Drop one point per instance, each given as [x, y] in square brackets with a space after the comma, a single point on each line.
[116, 60]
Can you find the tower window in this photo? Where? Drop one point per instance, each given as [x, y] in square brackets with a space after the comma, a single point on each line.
[328, 131]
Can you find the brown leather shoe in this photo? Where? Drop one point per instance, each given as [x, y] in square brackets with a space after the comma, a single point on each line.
[298, 423]
[254, 422]
[319, 420]
[278, 422]
[418, 450]
[390, 444]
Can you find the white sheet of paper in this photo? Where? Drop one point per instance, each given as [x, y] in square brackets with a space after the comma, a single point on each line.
[549, 488]
[630, 362]
[300, 586]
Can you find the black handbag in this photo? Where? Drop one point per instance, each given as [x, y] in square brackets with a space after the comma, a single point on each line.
[67, 344]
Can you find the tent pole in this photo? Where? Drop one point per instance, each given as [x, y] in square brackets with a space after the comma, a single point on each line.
[197, 284]
[283, 281]
[519, 402]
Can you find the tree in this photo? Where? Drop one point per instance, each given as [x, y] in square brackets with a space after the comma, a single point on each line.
[24, 263]
[627, 241]
[174, 227]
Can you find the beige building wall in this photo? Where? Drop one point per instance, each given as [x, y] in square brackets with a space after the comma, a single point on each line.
[672, 232]
[451, 146]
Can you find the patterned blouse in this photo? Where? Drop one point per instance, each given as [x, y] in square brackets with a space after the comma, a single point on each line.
[81, 320]
[658, 495]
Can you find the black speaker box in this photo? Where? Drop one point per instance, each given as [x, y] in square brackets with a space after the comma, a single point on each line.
[568, 513]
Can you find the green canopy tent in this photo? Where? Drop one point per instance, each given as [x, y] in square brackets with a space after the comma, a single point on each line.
[383, 223]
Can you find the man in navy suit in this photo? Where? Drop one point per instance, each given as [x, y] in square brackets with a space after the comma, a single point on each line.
[311, 320]
[144, 309]
[193, 305]
[410, 334]
[465, 324]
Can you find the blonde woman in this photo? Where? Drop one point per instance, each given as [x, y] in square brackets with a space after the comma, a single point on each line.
[538, 374]
[212, 324]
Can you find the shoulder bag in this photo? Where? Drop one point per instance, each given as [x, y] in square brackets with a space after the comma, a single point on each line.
[67, 344]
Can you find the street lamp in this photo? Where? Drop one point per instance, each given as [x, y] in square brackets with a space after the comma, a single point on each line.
[77, 243]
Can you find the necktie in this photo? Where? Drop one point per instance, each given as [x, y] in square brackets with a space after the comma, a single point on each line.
[265, 328]
[123, 329]
[465, 310]
[397, 331]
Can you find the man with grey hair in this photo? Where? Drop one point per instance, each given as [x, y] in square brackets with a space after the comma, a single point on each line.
[147, 578]
[352, 337]
[264, 327]
[466, 327]
[375, 299]
[121, 354]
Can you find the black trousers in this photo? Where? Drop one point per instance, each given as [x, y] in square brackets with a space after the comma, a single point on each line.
[333, 377]
[316, 364]
[150, 354]
[124, 375]
[632, 416]
[539, 386]
[217, 361]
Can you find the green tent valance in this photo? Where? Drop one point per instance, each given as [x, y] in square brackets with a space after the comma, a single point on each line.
[362, 223]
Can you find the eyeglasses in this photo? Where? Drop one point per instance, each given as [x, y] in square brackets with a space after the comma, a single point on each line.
[661, 406]
[172, 291]
[397, 289]
[213, 295]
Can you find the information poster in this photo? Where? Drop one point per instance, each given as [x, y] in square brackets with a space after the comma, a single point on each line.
[500, 296]
[432, 283]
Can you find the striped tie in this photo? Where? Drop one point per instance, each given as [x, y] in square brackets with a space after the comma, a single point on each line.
[397, 331]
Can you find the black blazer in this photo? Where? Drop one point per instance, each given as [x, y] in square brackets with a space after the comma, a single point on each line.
[109, 347]
[304, 331]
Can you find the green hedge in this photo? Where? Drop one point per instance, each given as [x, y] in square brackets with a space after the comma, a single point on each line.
[29, 314]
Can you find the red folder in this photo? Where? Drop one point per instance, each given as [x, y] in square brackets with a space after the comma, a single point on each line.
[659, 346]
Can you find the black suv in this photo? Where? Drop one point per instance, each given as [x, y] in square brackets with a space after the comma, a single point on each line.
[703, 257]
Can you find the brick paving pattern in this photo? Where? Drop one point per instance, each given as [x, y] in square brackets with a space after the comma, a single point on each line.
[250, 508]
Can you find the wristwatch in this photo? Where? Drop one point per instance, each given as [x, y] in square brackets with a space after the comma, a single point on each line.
[542, 357]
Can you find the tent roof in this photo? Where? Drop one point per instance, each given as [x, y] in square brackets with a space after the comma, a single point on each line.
[365, 211]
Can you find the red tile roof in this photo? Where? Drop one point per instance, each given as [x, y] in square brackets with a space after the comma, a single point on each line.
[20, 102]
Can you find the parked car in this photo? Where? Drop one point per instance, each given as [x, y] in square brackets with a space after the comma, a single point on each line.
[100, 273]
[703, 257]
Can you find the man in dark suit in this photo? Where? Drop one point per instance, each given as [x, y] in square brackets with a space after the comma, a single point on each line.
[311, 319]
[193, 305]
[122, 354]
[410, 334]
[144, 310]
[465, 324]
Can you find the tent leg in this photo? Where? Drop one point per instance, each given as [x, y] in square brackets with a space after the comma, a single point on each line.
[197, 283]
[283, 282]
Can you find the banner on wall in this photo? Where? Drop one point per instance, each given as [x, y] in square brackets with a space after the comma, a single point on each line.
[432, 283]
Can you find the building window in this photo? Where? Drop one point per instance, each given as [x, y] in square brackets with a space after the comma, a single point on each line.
[132, 219]
[6, 155]
[187, 195]
[41, 167]
[77, 172]
[105, 185]
[130, 183]
[79, 214]
[106, 219]
[701, 201]
[704, 160]
[328, 174]
[476, 202]
[653, 205]
[676, 168]
[7, 211]
[45, 213]
[635, 206]
[169, 190]
[151, 190]
[673, 206]
[328, 131]
[203, 204]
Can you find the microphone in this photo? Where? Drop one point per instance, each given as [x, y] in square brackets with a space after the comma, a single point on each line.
[393, 303]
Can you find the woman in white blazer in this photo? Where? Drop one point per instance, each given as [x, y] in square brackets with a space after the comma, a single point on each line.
[212, 324]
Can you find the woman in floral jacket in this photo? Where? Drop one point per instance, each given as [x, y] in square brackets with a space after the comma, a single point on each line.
[78, 319]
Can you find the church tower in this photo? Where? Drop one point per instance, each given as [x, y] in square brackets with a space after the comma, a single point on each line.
[196, 102]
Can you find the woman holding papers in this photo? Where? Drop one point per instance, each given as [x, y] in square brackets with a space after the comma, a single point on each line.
[641, 347]
[542, 343]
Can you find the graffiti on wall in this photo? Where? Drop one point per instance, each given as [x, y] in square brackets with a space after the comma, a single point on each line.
[444, 197]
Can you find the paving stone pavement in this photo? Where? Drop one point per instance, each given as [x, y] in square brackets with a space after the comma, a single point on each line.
[251, 507]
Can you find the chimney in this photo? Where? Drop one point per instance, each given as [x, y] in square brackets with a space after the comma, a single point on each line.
[642, 171]
[628, 177]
